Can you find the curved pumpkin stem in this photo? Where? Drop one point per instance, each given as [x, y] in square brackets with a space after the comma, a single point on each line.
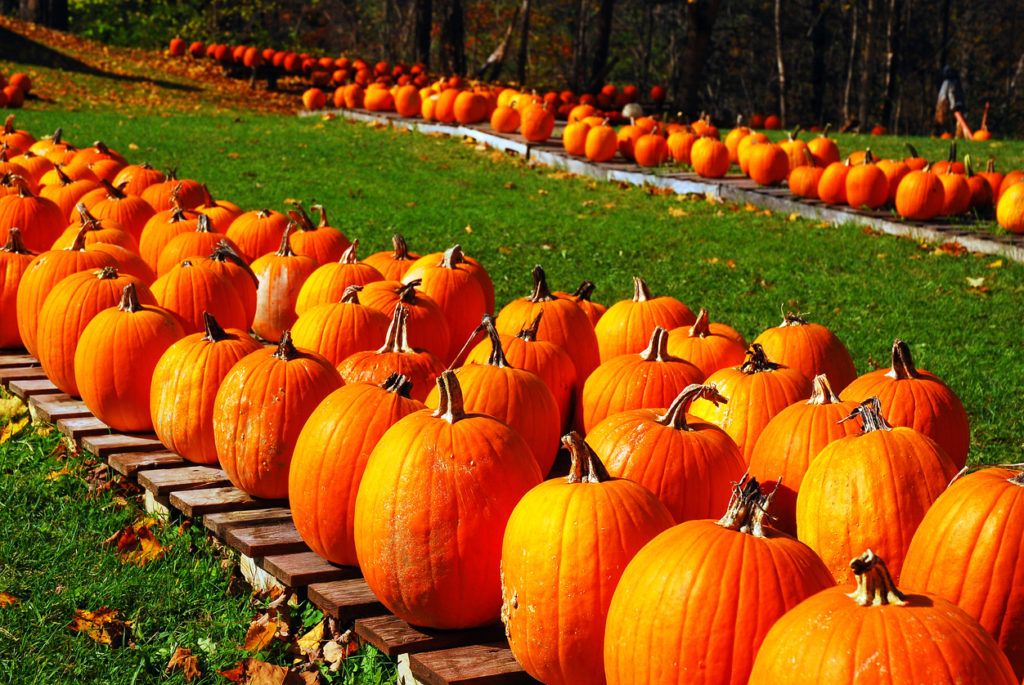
[757, 361]
[902, 363]
[529, 334]
[407, 293]
[675, 415]
[129, 300]
[875, 586]
[401, 253]
[701, 328]
[323, 215]
[790, 319]
[14, 243]
[822, 393]
[114, 193]
[748, 507]
[106, 273]
[285, 249]
[86, 217]
[397, 338]
[223, 252]
[585, 466]
[214, 332]
[870, 413]
[497, 357]
[286, 350]
[657, 348]
[9, 124]
[21, 183]
[541, 291]
[349, 255]
[79, 243]
[203, 224]
[64, 179]
[450, 406]
[398, 384]
[584, 292]
[641, 293]
[912, 150]
[300, 217]
[351, 294]
[453, 256]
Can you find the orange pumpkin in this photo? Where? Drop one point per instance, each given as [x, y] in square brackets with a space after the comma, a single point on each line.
[106, 231]
[322, 242]
[40, 220]
[195, 244]
[601, 144]
[189, 290]
[710, 158]
[281, 276]
[708, 346]
[627, 326]
[337, 330]
[810, 348]
[426, 326]
[225, 261]
[14, 261]
[257, 233]
[328, 282]
[392, 265]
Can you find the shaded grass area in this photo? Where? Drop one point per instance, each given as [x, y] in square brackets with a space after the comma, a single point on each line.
[56, 511]
[744, 266]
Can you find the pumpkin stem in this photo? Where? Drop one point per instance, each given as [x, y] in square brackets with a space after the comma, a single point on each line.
[870, 413]
[453, 256]
[585, 465]
[913, 151]
[214, 332]
[952, 152]
[9, 124]
[398, 384]
[875, 586]
[657, 348]
[968, 166]
[789, 319]
[286, 350]
[675, 415]
[497, 357]
[407, 293]
[991, 165]
[584, 292]
[529, 334]
[55, 138]
[203, 224]
[223, 252]
[757, 361]
[323, 215]
[300, 217]
[15, 244]
[21, 182]
[1016, 480]
[541, 292]
[129, 300]
[748, 507]
[449, 406]
[397, 339]
[79, 243]
[107, 273]
[701, 328]
[902, 363]
[401, 253]
[349, 255]
[868, 157]
[114, 193]
[61, 176]
[86, 216]
[285, 250]
[351, 294]
[822, 393]
[641, 293]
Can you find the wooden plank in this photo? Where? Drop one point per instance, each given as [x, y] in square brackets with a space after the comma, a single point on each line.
[20, 373]
[53, 408]
[484, 664]
[266, 539]
[302, 568]
[346, 600]
[130, 463]
[17, 359]
[166, 481]
[393, 636]
[220, 524]
[104, 445]
[214, 500]
[81, 427]
[29, 387]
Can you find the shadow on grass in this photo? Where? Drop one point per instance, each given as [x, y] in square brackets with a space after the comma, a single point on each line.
[16, 47]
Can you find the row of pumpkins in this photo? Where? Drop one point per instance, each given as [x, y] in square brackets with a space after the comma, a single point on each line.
[916, 188]
[660, 558]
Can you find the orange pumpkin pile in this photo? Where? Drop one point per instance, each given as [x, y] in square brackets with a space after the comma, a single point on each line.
[409, 448]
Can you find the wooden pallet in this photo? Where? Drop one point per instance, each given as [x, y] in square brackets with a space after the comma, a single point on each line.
[32, 387]
[53, 408]
[477, 664]
[14, 359]
[393, 636]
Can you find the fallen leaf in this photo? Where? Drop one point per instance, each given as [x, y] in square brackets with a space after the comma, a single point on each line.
[996, 264]
[468, 229]
[256, 672]
[11, 407]
[133, 146]
[793, 217]
[182, 659]
[233, 155]
[677, 212]
[44, 429]
[609, 205]
[748, 207]
[12, 429]
[339, 649]
[7, 599]
[136, 544]
[510, 186]
[541, 191]
[975, 282]
[233, 674]
[881, 255]
[102, 625]
[951, 248]
[310, 640]
[55, 475]
[261, 632]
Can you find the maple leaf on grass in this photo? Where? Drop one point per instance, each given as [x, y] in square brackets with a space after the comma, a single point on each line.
[183, 660]
[136, 544]
[256, 672]
[7, 599]
[103, 626]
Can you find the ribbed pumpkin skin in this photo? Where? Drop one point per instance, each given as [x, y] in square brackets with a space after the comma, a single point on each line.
[330, 456]
[919, 195]
[708, 346]
[189, 289]
[257, 233]
[811, 349]
[565, 547]
[161, 229]
[226, 262]
[221, 213]
[916, 399]
[426, 326]
[627, 325]
[754, 398]
[829, 638]
[130, 211]
[473, 266]
[185, 384]
[43, 272]
[14, 261]
[431, 511]
[393, 264]
[114, 362]
[260, 408]
[687, 463]
[194, 245]
[339, 330]
[694, 604]
[651, 379]
[867, 186]
[969, 549]
[106, 231]
[281, 276]
[40, 220]
[328, 282]
[870, 491]
[127, 261]
[67, 310]
[791, 441]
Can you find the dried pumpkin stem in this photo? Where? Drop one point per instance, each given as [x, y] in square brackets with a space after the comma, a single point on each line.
[453, 256]
[497, 356]
[541, 292]
[821, 392]
[399, 384]
[79, 244]
[748, 507]
[675, 415]
[701, 328]
[203, 224]
[223, 252]
[129, 300]
[902, 363]
[584, 292]
[585, 466]
[106, 273]
[15, 244]
[323, 215]
[657, 348]
[757, 361]
[286, 350]
[875, 586]
[407, 293]
[214, 332]
[351, 294]
[349, 255]
[641, 293]
[401, 253]
[529, 334]
[450, 406]
[397, 339]
[285, 249]
[870, 413]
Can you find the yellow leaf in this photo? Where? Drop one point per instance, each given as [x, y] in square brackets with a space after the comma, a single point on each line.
[541, 191]
[468, 229]
[312, 639]
[11, 407]
[102, 625]
[260, 633]
[6, 599]
[793, 217]
[11, 429]
[677, 212]
[996, 264]
[975, 282]
[55, 475]
[133, 146]
[881, 255]
[44, 429]
[183, 659]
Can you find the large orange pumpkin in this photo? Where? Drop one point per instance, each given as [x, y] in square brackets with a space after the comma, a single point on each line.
[40, 220]
[426, 327]
[810, 348]
[225, 261]
[708, 346]
[565, 547]
[258, 232]
[281, 276]
[14, 261]
[195, 244]
[393, 264]
[337, 330]
[322, 242]
[328, 282]
[189, 290]
[627, 325]
[431, 554]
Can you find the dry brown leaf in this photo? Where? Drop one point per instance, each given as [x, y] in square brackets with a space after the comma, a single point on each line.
[7, 599]
[55, 475]
[339, 649]
[256, 672]
[183, 659]
[102, 625]
[951, 248]
[136, 544]
[12, 429]
[261, 632]
[677, 212]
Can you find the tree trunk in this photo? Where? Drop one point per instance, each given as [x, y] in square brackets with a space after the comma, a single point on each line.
[453, 38]
[820, 40]
[892, 47]
[579, 47]
[422, 17]
[849, 67]
[496, 60]
[524, 45]
[864, 96]
[701, 15]
[780, 62]
[599, 64]
[50, 13]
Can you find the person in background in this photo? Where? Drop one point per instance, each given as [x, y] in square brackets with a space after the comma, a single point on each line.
[951, 99]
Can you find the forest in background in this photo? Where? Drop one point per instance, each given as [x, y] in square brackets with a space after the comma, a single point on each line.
[853, 63]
